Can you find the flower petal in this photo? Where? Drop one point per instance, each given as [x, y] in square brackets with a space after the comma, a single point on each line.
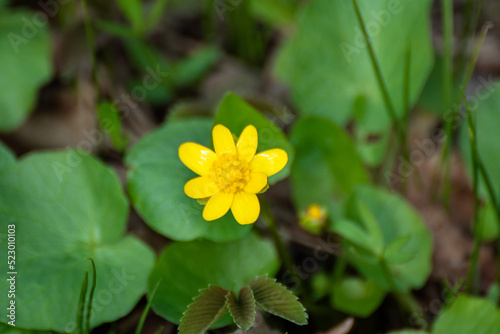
[196, 157]
[223, 140]
[201, 187]
[269, 162]
[218, 205]
[247, 143]
[256, 183]
[245, 208]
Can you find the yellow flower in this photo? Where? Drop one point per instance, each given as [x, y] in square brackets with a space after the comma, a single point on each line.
[232, 175]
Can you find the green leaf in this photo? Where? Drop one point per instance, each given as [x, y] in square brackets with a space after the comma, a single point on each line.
[236, 114]
[275, 13]
[394, 253]
[320, 172]
[468, 315]
[68, 206]
[493, 294]
[356, 235]
[397, 219]
[489, 223]
[156, 180]
[187, 267]
[208, 307]
[188, 71]
[26, 65]
[408, 331]
[133, 11]
[5, 329]
[242, 309]
[111, 123]
[7, 158]
[274, 298]
[327, 78]
[356, 296]
[487, 103]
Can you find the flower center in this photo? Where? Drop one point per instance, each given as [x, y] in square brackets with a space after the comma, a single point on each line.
[230, 174]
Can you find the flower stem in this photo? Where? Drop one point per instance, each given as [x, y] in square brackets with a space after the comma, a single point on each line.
[378, 73]
[281, 248]
[405, 299]
[91, 295]
[147, 308]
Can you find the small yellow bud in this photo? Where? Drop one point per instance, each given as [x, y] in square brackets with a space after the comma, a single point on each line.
[314, 218]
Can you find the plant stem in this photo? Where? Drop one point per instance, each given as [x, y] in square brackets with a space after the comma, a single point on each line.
[471, 273]
[80, 314]
[447, 77]
[281, 248]
[378, 73]
[91, 295]
[89, 33]
[406, 115]
[147, 308]
[405, 299]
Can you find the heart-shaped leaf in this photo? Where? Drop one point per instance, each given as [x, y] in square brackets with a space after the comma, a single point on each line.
[26, 64]
[320, 174]
[272, 297]
[397, 220]
[208, 307]
[156, 180]
[327, 64]
[201, 263]
[242, 308]
[468, 315]
[236, 114]
[66, 207]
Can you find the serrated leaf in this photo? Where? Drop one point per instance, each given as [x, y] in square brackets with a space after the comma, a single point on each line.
[272, 297]
[208, 307]
[242, 309]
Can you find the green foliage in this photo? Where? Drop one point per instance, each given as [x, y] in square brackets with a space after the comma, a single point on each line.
[327, 78]
[242, 308]
[133, 11]
[6, 156]
[187, 267]
[276, 13]
[26, 65]
[236, 114]
[320, 172]
[357, 296]
[4, 329]
[382, 229]
[68, 206]
[156, 180]
[468, 315]
[274, 298]
[111, 123]
[487, 123]
[208, 307]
